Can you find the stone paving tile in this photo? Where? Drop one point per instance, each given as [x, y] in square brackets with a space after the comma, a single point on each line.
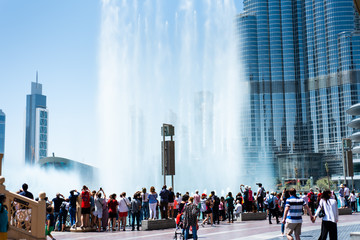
[343, 233]
[252, 230]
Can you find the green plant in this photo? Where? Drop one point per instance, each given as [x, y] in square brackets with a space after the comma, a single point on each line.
[323, 183]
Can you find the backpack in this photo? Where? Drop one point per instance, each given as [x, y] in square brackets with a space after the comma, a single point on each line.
[271, 202]
[216, 201]
[313, 197]
[263, 193]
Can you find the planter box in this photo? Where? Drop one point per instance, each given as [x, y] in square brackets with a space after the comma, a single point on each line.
[252, 216]
[345, 211]
[157, 224]
[355, 236]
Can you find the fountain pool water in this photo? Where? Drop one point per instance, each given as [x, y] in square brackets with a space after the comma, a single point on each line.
[170, 62]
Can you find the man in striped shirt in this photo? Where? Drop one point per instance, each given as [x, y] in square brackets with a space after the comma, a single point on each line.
[292, 215]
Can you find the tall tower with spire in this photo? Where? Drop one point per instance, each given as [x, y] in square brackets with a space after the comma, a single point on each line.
[36, 132]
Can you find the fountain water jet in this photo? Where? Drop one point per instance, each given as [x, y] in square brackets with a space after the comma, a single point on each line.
[164, 63]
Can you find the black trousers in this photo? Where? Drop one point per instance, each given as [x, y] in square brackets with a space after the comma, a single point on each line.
[136, 216]
[216, 215]
[273, 212]
[328, 227]
[164, 210]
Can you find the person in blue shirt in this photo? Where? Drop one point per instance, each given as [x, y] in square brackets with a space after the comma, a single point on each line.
[50, 222]
[3, 217]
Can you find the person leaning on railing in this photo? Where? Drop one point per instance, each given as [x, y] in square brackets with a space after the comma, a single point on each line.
[4, 225]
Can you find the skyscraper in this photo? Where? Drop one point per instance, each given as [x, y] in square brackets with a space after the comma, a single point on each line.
[2, 131]
[302, 62]
[36, 135]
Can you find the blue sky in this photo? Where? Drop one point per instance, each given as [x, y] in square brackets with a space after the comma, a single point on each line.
[60, 39]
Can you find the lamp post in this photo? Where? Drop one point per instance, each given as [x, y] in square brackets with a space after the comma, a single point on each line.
[1, 157]
[327, 173]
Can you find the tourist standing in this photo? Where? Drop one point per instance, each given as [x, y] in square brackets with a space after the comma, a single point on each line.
[342, 196]
[145, 204]
[246, 198]
[191, 212]
[230, 207]
[64, 209]
[123, 209]
[346, 195]
[85, 207]
[50, 222]
[171, 199]
[135, 211]
[3, 218]
[57, 201]
[292, 215]
[112, 205]
[25, 192]
[164, 201]
[329, 221]
[261, 194]
[222, 209]
[72, 206]
[272, 202]
[152, 202]
[215, 207]
[99, 203]
[352, 199]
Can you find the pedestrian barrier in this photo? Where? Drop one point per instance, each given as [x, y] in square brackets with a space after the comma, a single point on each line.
[157, 224]
[26, 217]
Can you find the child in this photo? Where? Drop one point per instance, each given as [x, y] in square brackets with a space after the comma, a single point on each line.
[50, 222]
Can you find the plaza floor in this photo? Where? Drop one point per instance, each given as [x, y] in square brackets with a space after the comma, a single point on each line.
[239, 230]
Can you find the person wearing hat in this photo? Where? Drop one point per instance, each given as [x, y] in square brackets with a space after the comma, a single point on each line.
[3, 217]
[342, 196]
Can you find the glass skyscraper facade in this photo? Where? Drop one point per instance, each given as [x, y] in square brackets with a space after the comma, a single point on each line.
[301, 61]
[2, 131]
[36, 135]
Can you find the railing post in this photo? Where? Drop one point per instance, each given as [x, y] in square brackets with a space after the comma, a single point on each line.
[38, 218]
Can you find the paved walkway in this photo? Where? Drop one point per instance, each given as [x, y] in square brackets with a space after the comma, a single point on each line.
[254, 230]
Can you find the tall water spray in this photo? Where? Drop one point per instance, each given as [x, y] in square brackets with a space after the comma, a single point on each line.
[165, 62]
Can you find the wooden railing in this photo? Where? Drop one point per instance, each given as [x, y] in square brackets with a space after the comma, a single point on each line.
[26, 216]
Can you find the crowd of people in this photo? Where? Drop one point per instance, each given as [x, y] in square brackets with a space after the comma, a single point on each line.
[94, 210]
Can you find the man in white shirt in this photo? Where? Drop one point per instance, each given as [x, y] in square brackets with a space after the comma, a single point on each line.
[238, 209]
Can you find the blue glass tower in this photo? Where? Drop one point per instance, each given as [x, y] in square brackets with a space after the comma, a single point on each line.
[36, 134]
[301, 61]
[2, 131]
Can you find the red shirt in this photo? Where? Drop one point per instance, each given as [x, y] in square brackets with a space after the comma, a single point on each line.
[112, 203]
[85, 197]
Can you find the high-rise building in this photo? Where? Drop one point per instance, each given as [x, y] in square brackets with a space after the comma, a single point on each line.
[36, 135]
[302, 62]
[2, 131]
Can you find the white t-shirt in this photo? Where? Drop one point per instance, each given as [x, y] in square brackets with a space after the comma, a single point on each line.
[306, 199]
[330, 208]
[346, 191]
[145, 197]
[238, 208]
[196, 199]
[123, 205]
[352, 197]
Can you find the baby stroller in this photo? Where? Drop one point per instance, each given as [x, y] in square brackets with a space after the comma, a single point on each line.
[179, 231]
